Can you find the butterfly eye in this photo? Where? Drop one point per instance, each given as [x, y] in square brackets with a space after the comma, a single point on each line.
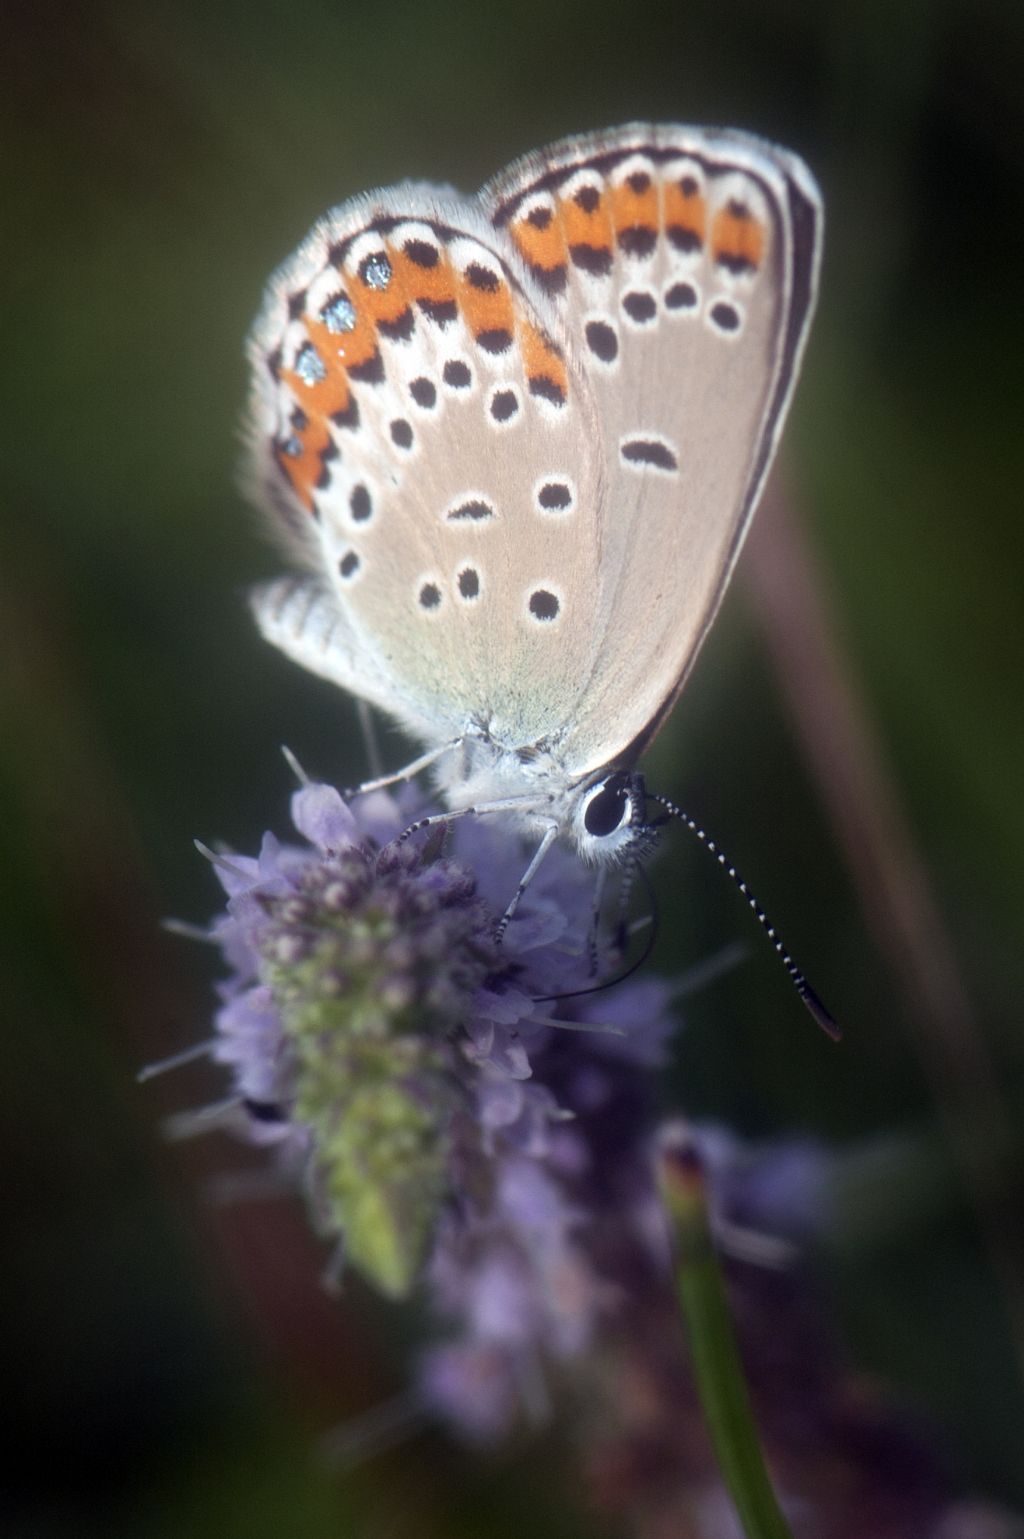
[609, 808]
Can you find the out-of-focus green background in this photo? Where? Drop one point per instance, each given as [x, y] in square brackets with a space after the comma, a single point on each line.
[169, 1361]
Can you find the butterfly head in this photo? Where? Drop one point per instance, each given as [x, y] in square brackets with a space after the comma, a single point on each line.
[608, 820]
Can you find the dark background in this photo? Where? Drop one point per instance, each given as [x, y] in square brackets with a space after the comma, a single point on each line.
[170, 1361]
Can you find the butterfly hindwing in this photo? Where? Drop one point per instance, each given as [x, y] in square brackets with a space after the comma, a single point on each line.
[432, 451]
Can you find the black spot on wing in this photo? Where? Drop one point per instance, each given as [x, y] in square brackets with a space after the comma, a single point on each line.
[483, 278]
[593, 260]
[681, 296]
[423, 392]
[555, 496]
[547, 388]
[504, 405]
[494, 339]
[652, 453]
[638, 240]
[400, 329]
[551, 279]
[544, 605]
[602, 341]
[370, 371]
[456, 374]
[473, 511]
[725, 316]
[360, 503]
[641, 308]
[347, 416]
[422, 252]
[441, 311]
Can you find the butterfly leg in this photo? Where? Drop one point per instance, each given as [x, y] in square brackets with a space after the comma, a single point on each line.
[595, 921]
[550, 835]
[408, 772]
[368, 728]
[629, 878]
[437, 819]
[510, 804]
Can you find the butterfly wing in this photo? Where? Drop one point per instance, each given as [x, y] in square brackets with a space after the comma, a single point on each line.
[518, 439]
[432, 452]
[681, 266]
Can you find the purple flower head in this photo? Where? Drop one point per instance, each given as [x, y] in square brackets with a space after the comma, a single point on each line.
[379, 1035]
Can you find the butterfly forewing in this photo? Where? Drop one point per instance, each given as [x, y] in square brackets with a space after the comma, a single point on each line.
[681, 266]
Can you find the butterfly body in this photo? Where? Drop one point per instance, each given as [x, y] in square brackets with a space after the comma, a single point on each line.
[516, 441]
[538, 795]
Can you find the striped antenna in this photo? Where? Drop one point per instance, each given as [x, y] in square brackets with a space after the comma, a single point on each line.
[824, 1017]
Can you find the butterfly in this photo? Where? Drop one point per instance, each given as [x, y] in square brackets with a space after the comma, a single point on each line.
[515, 441]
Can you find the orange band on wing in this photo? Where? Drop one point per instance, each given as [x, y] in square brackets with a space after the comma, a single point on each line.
[325, 397]
[541, 361]
[487, 309]
[434, 284]
[541, 245]
[304, 469]
[635, 204]
[686, 213]
[586, 219]
[738, 238]
[339, 352]
[381, 303]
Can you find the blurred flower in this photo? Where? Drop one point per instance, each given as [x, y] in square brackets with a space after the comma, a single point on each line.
[461, 1129]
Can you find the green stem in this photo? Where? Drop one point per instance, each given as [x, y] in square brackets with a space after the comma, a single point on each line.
[721, 1384]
